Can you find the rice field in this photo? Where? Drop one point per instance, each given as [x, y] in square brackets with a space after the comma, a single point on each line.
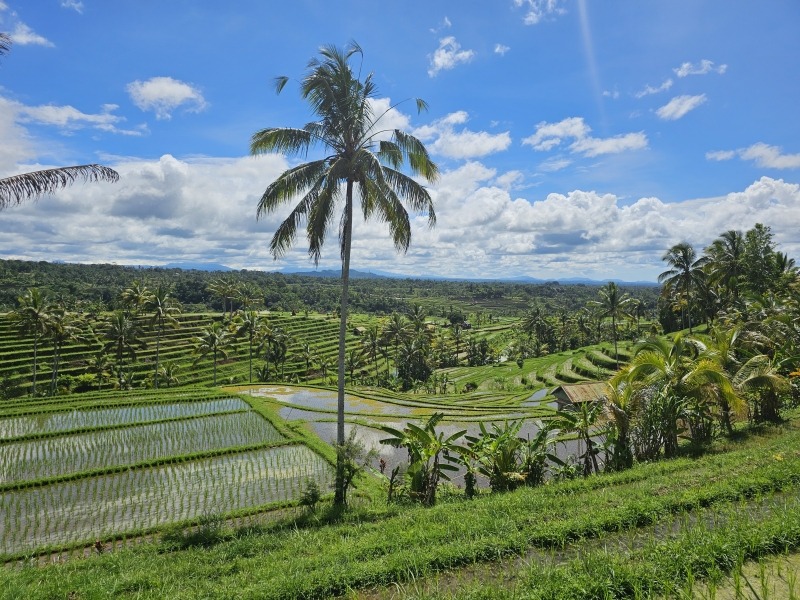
[70, 477]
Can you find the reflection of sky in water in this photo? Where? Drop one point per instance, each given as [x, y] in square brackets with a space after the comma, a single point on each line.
[324, 425]
[371, 438]
[326, 400]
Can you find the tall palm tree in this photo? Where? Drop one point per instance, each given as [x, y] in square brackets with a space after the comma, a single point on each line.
[122, 336]
[612, 304]
[685, 274]
[225, 289]
[62, 327]
[397, 330]
[163, 310]
[249, 322]
[213, 340]
[726, 255]
[358, 160]
[371, 344]
[31, 317]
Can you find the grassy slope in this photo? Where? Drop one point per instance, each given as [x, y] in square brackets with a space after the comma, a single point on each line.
[378, 545]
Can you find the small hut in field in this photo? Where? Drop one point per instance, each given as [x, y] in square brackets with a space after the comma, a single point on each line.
[574, 394]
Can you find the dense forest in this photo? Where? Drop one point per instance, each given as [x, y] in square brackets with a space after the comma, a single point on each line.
[97, 288]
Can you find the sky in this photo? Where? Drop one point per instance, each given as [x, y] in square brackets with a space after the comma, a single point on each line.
[574, 138]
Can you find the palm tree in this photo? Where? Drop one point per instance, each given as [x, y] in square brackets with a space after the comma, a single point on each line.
[213, 340]
[612, 304]
[16, 189]
[122, 336]
[685, 274]
[225, 289]
[31, 318]
[62, 327]
[307, 355]
[163, 311]
[354, 362]
[136, 297]
[359, 159]
[169, 372]
[680, 379]
[371, 344]
[726, 256]
[397, 330]
[248, 323]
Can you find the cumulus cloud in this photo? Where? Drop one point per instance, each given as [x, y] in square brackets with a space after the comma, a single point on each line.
[704, 67]
[204, 210]
[24, 36]
[501, 49]
[539, 10]
[75, 5]
[163, 95]
[442, 137]
[551, 135]
[679, 106]
[447, 56]
[763, 155]
[649, 90]
[720, 155]
[69, 118]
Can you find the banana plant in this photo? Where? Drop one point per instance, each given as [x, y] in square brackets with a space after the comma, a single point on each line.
[426, 446]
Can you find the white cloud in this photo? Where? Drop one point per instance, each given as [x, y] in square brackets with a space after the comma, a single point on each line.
[24, 35]
[444, 139]
[204, 209]
[539, 10]
[720, 155]
[555, 163]
[770, 157]
[613, 94]
[509, 179]
[446, 24]
[501, 49]
[75, 5]
[763, 155]
[448, 55]
[704, 67]
[679, 106]
[164, 94]
[68, 118]
[649, 90]
[551, 135]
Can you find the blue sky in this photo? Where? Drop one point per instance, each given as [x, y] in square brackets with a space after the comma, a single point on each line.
[574, 137]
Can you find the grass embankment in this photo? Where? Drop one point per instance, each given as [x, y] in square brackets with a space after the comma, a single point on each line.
[377, 545]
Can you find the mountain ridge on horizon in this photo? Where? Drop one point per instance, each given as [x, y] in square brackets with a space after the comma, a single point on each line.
[358, 274]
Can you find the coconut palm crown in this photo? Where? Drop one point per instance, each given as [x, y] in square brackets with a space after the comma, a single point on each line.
[360, 158]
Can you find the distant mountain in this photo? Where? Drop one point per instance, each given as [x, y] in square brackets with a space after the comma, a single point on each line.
[197, 266]
[354, 274]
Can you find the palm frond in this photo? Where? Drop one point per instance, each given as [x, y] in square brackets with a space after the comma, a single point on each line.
[290, 184]
[5, 43]
[31, 186]
[280, 139]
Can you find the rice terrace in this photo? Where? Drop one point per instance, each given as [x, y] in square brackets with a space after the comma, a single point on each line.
[398, 409]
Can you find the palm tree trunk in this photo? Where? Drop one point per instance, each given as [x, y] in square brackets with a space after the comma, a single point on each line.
[158, 349]
[250, 356]
[35, 363]
[215, 366]
[339, 495]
